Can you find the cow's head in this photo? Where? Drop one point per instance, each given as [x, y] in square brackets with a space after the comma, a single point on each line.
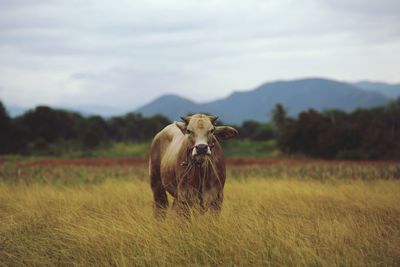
[200, 130]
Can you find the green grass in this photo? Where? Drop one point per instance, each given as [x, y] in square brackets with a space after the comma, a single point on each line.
[135, 150]
[251, 149]
[232, 149]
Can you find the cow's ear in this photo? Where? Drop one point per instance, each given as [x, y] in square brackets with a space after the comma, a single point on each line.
[181, 126]
[225, 132]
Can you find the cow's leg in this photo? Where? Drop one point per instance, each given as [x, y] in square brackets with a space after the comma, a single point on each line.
[216, 204]
[160, 198]
[182, 207]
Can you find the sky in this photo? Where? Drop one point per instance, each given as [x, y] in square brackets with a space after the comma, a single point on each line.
[125, 53]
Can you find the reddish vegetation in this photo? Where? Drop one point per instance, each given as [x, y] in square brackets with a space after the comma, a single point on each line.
[244, 161]
[87, 162]
[141, 161]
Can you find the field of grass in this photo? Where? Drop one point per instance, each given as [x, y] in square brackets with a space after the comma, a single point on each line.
[275, 213]
[232, 149]
[110, 149]
[251, 149]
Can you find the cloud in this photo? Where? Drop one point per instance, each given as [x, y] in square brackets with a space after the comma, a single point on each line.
[371, 8]
[125, 53]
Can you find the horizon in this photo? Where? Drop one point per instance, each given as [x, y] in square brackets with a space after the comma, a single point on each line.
[115, 111]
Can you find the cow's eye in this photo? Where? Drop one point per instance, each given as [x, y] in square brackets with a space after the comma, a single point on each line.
[188, 131]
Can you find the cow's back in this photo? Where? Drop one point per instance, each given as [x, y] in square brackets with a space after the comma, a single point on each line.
[166, 142]
[164, 153]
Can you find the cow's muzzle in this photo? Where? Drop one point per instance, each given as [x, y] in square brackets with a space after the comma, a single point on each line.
[201, 150]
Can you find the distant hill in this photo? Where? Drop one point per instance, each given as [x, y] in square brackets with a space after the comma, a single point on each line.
[389, 90]
[256, 104]
[171, 106]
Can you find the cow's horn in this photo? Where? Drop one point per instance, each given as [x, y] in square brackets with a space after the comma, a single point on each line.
[213, 119]
[186, 119]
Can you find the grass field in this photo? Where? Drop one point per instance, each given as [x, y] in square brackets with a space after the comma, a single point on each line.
[232, 149]
[275, 213]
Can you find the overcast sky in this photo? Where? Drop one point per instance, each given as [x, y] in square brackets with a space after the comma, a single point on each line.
[125, 53]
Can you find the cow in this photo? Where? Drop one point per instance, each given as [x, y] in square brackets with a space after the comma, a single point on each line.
[186, 160]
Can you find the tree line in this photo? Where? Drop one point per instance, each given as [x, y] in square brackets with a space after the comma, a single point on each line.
[332, 134]
[37, 129]
[43, 126]
[367, 134]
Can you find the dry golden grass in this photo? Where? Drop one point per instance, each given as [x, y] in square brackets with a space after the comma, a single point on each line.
[268, 222]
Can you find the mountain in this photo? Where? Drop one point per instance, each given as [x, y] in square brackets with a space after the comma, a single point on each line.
[256, 104]
[389, 90]
[171, 106]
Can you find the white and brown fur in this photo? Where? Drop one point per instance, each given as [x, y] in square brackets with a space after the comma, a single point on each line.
[175, 167]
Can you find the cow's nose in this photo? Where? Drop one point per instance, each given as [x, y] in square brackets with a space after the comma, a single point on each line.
[201, 149]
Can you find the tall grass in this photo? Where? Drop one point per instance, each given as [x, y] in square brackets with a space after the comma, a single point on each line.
[77, 172]
[268, 222]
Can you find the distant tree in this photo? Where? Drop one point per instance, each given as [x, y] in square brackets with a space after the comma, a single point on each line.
[264, 132]
[134, 123]
[5, 130]
[153, 125]
[4, 117]
[395, 103]
[279, 114]
[361, 134]
[257, 131]
[249, 128]
[94, 132]
[117, 129]
[45, 125]
[135, 127]
[10, 135]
